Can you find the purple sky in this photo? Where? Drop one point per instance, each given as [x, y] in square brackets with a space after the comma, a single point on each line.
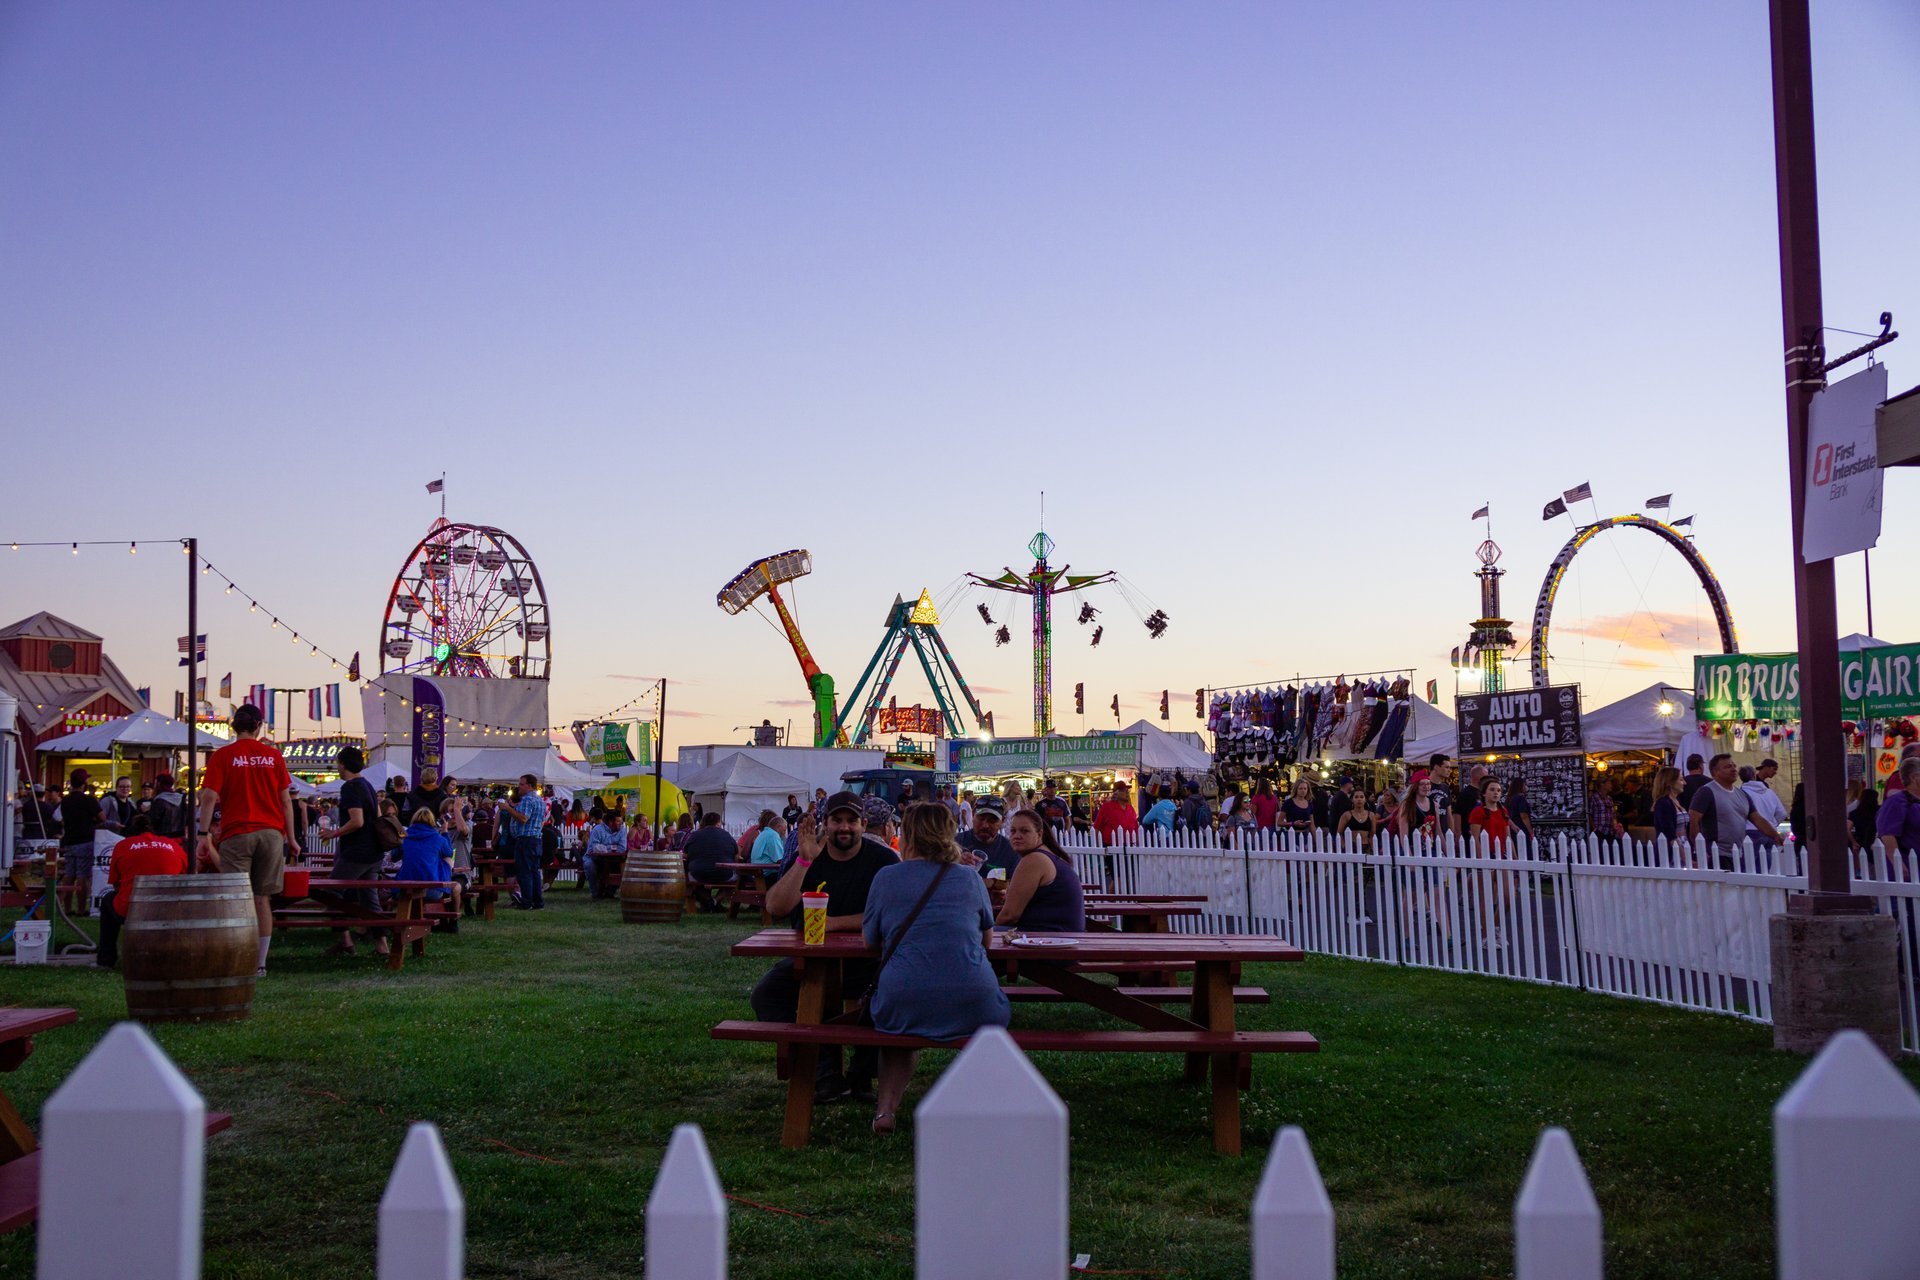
[1266, 297]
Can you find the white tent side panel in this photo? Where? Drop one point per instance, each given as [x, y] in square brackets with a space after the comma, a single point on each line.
[469, 700]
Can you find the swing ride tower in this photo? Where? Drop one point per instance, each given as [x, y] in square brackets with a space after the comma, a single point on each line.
[1042, 583]
[764, 577]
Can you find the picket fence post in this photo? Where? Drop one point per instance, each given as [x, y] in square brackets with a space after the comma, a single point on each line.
[1556, 1220]
[1846, 1143]
[990, 1169]
[122, 1166]
[686, 1213]
[1292, 1216]
[423, 1217]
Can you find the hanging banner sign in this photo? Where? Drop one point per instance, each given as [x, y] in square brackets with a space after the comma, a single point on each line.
[1023, 755]
[1843, 466]
[1545, 719]
[604, 746]
[429, 729]
[1875, 684]
[923, 720]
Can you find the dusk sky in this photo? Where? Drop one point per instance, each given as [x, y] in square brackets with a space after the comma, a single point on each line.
[1266, 297]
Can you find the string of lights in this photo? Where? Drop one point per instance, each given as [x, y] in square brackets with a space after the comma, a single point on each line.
[314, 649]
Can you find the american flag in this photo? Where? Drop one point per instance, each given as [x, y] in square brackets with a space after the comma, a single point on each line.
[436, 486]
[199, 644]
[257, 696]
[1579, 493]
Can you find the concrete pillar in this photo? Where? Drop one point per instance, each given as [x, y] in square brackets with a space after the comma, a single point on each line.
[1832, 972]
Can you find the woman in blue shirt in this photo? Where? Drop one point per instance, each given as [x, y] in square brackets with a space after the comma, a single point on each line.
[427, 854]
[934, 979]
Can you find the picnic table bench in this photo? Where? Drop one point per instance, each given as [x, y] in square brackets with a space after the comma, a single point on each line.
[19, 1151]
[408, 917]
[1207, 1037]
[491, 878]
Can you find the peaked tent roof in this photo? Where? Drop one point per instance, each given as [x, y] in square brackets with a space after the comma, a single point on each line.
[1429, 731]
[1160, 750]
[143, 729]
[1634, 723]
[741, 772]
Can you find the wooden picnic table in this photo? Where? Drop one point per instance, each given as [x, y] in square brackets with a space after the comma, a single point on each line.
[1094, 895]
[750, 887]
[18, 1027]
[406, 919]
[1140, 917]
[1207, 1036]
[491, 878]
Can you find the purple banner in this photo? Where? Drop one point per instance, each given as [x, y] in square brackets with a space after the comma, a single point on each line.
[429, 730]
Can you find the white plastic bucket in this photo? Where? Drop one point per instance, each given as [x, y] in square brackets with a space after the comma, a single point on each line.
[30, 938]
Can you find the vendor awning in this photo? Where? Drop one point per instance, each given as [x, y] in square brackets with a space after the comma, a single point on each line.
[142, 733]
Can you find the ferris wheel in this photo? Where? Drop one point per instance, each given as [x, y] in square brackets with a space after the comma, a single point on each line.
[467, 602]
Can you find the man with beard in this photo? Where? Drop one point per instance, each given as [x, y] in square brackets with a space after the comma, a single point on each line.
[841, 862]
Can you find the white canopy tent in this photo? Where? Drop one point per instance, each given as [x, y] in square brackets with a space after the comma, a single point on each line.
[1430, 731]
[145, 732]
[489, 764]
[1634, 723]
[1163, 752]
[739, 787]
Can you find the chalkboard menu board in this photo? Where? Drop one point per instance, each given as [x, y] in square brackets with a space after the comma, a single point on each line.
[1556, 788]
[1546, 719]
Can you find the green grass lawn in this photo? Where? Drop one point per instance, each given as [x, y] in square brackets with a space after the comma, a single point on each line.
[557, 1051]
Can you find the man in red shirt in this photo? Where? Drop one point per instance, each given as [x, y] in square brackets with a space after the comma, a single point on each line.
[249, 782]
[139, 853]
[1116, 815]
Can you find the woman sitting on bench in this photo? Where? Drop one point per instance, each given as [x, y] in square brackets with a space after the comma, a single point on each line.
[1044, 895]
[427, 854]
[931, 924]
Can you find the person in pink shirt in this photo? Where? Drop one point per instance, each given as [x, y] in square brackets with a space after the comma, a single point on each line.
[1265, 805]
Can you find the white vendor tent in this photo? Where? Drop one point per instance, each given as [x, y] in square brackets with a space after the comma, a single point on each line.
[1163, 752]
[142, 733]
[490, 764]
[1430, 731]
[740, 787]
[1634, 723]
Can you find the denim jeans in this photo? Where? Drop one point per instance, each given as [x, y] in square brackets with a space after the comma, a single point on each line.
[590, 875]
[526, 869]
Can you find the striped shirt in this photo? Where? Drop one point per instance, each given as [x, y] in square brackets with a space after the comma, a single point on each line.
[528, 816]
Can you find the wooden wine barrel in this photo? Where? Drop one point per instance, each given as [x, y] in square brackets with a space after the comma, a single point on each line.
[653, 887]
[190, 948]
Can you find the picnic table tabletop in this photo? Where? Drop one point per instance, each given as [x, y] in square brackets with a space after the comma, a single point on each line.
[1052, 962]
[406, 919]
[17, 1030]
[1094, 895]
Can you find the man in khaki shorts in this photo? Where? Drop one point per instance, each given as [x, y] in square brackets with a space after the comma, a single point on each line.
[248, 780]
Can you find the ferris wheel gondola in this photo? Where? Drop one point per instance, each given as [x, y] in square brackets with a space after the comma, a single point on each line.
[467, 602]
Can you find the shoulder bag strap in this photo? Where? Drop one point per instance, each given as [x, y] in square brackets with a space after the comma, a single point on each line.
[911, 917]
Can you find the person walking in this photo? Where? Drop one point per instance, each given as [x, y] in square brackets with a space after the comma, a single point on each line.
[1668, 809]
[247, 780]
[357, 855]
[526, 820]
[1116, 816]
[1722, 812]
[79, 819]
[1696, 778]
[117, 807]
[1898, 823]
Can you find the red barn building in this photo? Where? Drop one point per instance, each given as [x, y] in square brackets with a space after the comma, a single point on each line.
[62, 679]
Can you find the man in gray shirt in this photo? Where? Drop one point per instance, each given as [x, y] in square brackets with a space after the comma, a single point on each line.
[1722, 812]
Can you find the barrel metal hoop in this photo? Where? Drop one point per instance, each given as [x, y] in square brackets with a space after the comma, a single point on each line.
[210, 923]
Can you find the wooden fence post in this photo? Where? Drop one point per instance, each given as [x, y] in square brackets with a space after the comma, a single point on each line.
[1556, 1220]
[1292, 1217]
[423, 1217]
[990, 1169]
[1846, 1144]
[123, 1158]
[687, 1213]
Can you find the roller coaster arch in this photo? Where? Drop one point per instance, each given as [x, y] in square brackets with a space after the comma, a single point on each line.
[1556, 571]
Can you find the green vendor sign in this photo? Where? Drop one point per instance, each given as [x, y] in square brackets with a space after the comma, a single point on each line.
[1023, 755]
[1875, 684]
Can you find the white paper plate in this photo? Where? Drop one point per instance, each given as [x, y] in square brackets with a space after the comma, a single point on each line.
[1041, 942]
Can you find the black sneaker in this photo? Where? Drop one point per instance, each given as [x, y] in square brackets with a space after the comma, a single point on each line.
[861, 1091]
[829, 1089]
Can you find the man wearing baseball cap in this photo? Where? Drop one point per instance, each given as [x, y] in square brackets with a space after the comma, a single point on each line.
[836, 858]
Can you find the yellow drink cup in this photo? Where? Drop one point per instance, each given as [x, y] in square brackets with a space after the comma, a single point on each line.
[813, 915]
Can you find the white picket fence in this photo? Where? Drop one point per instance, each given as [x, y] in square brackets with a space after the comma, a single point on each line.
[1648, 921]
[123, 1166]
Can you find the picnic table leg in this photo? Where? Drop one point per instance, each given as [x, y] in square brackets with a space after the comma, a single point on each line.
[417, 910]
[1215, 978]
[805, 1058]
[16, 1136]
[397, 944]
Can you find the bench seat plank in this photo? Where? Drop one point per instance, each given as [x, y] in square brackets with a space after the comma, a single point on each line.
[1158, 995]
[20, 1181]
[1034, 1039]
